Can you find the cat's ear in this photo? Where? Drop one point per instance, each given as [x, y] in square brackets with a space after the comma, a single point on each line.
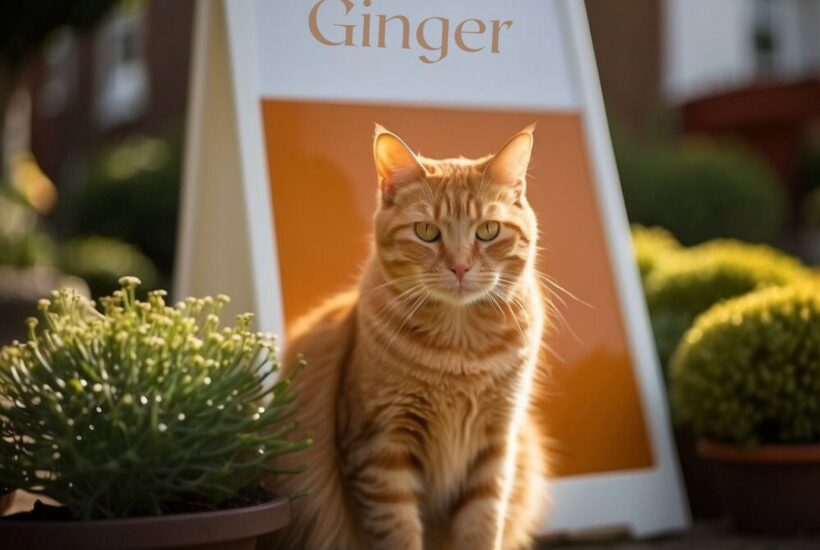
[395, 163]
[509, 165]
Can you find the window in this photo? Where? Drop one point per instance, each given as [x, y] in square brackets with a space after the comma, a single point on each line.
[122, 73]
[764, 37]
[60, 61]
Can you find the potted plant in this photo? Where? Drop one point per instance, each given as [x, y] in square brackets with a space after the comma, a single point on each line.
[746, 379]
[152, 426]
[680, 283]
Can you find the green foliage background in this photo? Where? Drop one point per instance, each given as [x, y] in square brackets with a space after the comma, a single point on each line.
[131, 194]
[701, 191]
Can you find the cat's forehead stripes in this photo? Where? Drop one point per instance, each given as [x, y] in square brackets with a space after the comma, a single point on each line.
[452, 189]
[424, 208]
[455, 168]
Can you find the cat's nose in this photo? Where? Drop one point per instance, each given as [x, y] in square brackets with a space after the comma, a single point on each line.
[460, 270]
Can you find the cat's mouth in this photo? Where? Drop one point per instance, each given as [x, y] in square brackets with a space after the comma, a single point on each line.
[464, 292]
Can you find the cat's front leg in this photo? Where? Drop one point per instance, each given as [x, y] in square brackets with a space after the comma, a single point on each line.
[475, 514]
[384, 482]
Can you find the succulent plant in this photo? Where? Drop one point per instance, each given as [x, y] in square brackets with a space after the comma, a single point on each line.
[141, 406]
[748, 371]
[687, 283]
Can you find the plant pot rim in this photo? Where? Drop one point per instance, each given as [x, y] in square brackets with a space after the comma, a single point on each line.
[800, 453]
[165, 531]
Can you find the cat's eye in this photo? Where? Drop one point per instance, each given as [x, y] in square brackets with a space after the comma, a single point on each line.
[488, 231]
[427, 232]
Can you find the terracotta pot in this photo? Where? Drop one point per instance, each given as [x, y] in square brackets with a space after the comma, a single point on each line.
[234, 529]
[770, 488]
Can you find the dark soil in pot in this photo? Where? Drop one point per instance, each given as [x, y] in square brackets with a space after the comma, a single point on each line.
[5, 502]
[699, 477]
[768, 489]
[236, 528]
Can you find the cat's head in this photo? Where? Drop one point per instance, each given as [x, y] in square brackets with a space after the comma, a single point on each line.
[456, 230]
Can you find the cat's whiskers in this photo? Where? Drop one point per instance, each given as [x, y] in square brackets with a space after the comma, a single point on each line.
[506, 300]
[511, 298]
[500, 301]
[552, 311]
[396, 281]
[492, 301]
[405, 297]
[522, 309]
[552, 283]
[412, 311]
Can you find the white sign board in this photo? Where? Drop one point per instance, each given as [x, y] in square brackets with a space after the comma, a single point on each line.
[284, 99]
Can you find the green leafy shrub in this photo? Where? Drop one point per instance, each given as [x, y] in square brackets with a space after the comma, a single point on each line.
[651, 245]
[810, 170]
[22, 244]
[748, 371]
[101, 262]
[141, 407]
[810, 208]
[701, 191]
[131, 194]
[689, 282]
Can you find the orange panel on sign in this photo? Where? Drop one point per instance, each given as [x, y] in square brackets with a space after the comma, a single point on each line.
[323, 187]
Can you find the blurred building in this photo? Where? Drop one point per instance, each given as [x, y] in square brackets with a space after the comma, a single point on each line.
[711, 47]
[744, 69]
[130, 75]
[752, 74]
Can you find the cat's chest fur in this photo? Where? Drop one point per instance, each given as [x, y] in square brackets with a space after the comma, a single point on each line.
[462, 423]
[445, 402]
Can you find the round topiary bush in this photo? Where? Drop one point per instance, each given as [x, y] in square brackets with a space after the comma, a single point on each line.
[748, 371]
[687, 283]
[651, 245]
[701, 191]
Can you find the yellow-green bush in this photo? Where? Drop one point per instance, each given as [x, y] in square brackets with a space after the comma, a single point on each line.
[651, 245]
[748, 371]
[687, 283]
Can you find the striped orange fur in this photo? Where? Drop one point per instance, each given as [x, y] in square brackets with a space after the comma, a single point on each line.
[418, 383]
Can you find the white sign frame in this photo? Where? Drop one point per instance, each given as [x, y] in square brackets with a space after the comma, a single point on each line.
[228, 244]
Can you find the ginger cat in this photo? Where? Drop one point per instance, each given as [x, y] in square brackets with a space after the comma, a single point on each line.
[418, 384]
